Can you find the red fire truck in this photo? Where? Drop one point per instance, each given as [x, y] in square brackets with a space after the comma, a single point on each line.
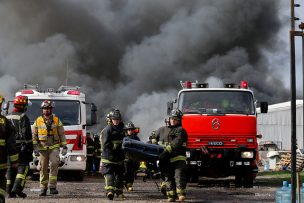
[222, 131]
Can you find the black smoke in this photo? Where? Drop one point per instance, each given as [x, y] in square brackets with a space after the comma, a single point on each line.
[131, 54]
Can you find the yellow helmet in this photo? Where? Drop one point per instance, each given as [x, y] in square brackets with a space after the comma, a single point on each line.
[1, 99]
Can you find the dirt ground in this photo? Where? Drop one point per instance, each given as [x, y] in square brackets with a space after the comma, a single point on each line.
[209, 190]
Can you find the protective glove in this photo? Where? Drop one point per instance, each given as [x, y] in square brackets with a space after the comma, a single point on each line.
[164, 155]
[64, 151]
[117, 145]
[154, 141]
[36, 152]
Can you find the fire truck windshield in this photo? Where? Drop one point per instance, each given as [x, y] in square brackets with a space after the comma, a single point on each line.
[216, 102]
[68, 111]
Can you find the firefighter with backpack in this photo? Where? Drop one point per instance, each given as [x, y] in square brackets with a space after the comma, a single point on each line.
[16, 177]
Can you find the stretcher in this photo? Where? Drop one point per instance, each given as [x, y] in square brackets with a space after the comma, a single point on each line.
[140, 150]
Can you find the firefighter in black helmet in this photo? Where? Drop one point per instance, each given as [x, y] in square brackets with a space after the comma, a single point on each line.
[8, 150]
[131, 166]
[174, 139]
[113, 156]
[90, 152]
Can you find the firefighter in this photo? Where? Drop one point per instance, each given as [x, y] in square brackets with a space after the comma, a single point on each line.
[90, 152]
[174, 139]
[21, 123]
[48, 137]
[113, 155]
[97, 153]
[131, 166]
[8, 150]
[152, 169]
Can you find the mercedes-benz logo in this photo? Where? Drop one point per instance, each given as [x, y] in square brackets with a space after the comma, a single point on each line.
[216, 124]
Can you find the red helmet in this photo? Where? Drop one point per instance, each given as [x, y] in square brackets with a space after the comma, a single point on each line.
[21, 100]
[47, 104]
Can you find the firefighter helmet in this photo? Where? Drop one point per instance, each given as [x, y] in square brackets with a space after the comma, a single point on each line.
[176, 114]
[21, 100]
[1, 99]
[129, 126]
[115, 115]
[47, 104]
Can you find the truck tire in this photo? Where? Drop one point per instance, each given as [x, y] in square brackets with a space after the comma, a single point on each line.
[248, 180]
[79, 175]
[238, 181]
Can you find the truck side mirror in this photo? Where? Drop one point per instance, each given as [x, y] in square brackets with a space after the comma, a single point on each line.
[169, 107]
[5, 107]
[264, 107]
[93, 114]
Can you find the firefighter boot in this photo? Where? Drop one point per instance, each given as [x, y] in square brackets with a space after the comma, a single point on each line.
[163, 188]
[43, 192]
[181, 198]
[9, 192]
[19, 193]
[53, 191]
[110, 195]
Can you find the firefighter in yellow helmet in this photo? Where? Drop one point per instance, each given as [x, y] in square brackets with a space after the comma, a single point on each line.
[8, 151]
[48, 137]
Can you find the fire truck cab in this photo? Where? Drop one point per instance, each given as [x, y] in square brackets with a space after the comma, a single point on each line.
[222, 131]
[75, 114]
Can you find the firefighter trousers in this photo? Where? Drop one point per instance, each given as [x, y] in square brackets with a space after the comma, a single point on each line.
[113, 174]
[130, 168]
[176, 178]
[16, 178]
[48, 158]
[89, 166]
[2, 185]
[97, 163]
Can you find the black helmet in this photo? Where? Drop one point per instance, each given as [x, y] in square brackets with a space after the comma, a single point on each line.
[115, 115]
[176, 114]
[129, 126]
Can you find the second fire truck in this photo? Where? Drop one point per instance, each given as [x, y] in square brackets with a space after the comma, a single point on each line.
[222, 131]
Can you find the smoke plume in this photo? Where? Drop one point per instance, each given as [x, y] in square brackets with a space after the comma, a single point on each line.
[131, 54]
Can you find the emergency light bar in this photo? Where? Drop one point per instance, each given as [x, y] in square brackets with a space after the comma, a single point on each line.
[230, 85]
[189, 85]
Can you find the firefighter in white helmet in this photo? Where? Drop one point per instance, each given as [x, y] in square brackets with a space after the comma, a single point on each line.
[48, 137]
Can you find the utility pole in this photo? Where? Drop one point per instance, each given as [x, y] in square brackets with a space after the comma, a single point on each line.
[292, 35]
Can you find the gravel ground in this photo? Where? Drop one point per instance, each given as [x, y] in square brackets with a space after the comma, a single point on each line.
[91, 190]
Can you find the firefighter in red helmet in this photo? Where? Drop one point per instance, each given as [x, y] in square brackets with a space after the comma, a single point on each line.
[16, 177]
[48, 137]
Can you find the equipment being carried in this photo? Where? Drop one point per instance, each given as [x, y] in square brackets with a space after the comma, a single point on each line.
[141, 151]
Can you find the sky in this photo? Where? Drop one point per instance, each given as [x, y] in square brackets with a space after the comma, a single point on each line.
[132, 54]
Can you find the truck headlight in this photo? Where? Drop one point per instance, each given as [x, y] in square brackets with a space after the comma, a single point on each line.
[247, 155]
[77, 158]
[188, 154]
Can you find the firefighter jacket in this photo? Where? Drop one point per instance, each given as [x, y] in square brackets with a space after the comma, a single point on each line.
[90, 147]
[23, 135]
[48, 133]
[97, 148]
[7, 143]
[174, 140]
[111, 141]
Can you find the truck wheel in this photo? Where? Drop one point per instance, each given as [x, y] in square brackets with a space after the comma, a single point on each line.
[248, 180]
[238, 181]
[194, 178]
[79, 175]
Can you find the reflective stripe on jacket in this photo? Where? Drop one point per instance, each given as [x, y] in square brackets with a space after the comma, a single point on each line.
[48, 139]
